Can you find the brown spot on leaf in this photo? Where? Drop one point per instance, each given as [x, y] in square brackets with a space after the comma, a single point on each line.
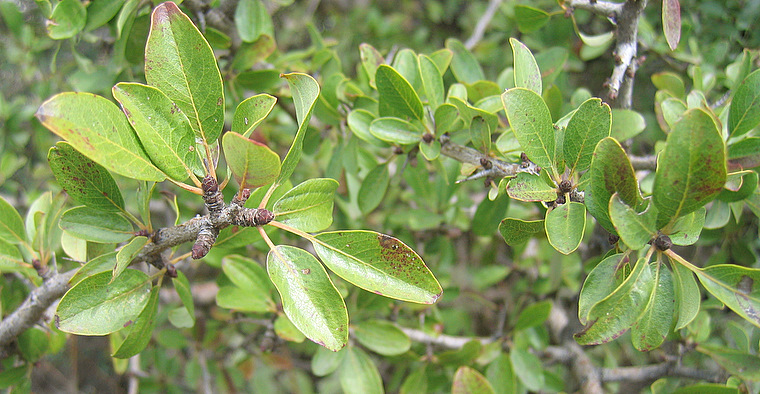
[128, 323]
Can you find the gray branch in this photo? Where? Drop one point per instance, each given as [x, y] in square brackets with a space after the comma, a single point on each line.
[490, 167]
[480, 27]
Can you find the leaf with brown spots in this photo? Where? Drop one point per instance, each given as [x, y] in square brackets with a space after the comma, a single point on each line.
[737, 287]
[378, 263]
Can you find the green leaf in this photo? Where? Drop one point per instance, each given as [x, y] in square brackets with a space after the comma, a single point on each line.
[126, 254]
[707, 388]
[686, 229]
[180, 63]
[610, 172]
[162, 128]
[671, 83]
[528, 368]
[252, 20]
[68, 19]
[140, 331]
[626, 124]
[529, 187]
[305, 91]
[33, 344]
[615, 314]
[372, 189]
[102, 263]
[692, 168]
[11, 225]
[11, 260]
[97, 306]
[600, 283]
[96, 226]
[253, 163]
[532, 124]
[309, 298]
[470, 381]
[530, 19]
[326, 362]
[397, 98]
[84, 180]
[249, 54]
[251, 112]
[502, 376]
[446, 118]
[243, 300]
[378, 263]
[415, 382]
[247, 274]
[741, 364]
[285, 329]
[687, 295]
[589, 124]
[565, 226]
[480, 134]
[182, 287]
[382, 337]
[97, 128]
[526, 73]
[358, 374]
[652, 327]
[488, 215]
[635, 229]
[395, 130]
[744, 113]
[464, 66]
[308, 206]
[671, 22]
[432, 81]
[99, 12]
[735, 286]
[517, 231]
[534, 315]
[370, 58]
[359, 121]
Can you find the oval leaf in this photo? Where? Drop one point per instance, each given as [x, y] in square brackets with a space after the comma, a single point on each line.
[378, 263]
[591, 122]
[464, 66]
[526, 74]
[529, 187]
[671, 22]
[308, 206]
[305, 91]
[11, 225]
[382, 337]
[395, 130]
[96, 226]
[744, 113]
[162, 127]
[372, 189]
[309, 298]
[180, 62]
[251, 112]
[737, 287]
[470, 381]
[635, 229]
[432, 81]
[138, 333]
[532, 124]
[97, 128]
[687, 295]
[358, 374]
[396, 96]
[253, 163]
[517, 231]
[652, 327]
[565, 226]
[95, 306]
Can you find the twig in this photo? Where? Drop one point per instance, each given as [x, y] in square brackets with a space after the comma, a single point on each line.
[443, 340]
[480, 27]
[654, 372]
[602, 8]
[643, 162]
[583, 369]
[490, 167]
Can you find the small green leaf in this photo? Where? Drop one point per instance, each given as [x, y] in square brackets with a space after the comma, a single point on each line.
[446, 118]
[735, 286]
[309, 298]
[84, 180]
[687, 295]
[162, 128]
[692, 169]
[139, 332]
[285, 329]
[249, 54]
[686, 229]
[534, 315]
[382, 337]
[252, 20]
[378, 263]
[488, 214]
[432, 81]
[671, 83]
[359, 121]
[33, 344]
[397, 98]
[182, 287]
[97, 128]
[253, 163]
[305, 91]
[326, 362]
[11, 225]
[243, 300]
[589, 124]
[502, 376]
[180, 62]
[247, 274]
[415, 382]
[358, 374]
[517, 231]
[308, 206]
[11, 260]
[126, 254]
[532, 124]
[470, 381]
[372, 189]
[635, 229]
[395, 130]
[741, 364]
[530, 19]
[652, 327]
[251, 112]
[96, 226]
[464, 66]
[626, 124]
[744, 114]
[529, 187]
[480, 134]
[610, 172]
[95, 306]
[526, 73]
[68, 19]
[99, 12]
[671, 22]
[565, 226]
[600, 283]
[528, 368]
[615, 314]
[102, 263]
[370, 58]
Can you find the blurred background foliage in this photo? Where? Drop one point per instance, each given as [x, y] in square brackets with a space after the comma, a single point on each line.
[452, 226]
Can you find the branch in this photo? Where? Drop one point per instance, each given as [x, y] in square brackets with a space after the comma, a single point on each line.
[490, 167]
[601, 8]
[480, 27]
[443, 340]
[33, 307]
[656, 371]
[644, 162]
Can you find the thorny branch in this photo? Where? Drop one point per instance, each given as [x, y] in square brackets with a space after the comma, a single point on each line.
[490, 167]
[626, 17]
